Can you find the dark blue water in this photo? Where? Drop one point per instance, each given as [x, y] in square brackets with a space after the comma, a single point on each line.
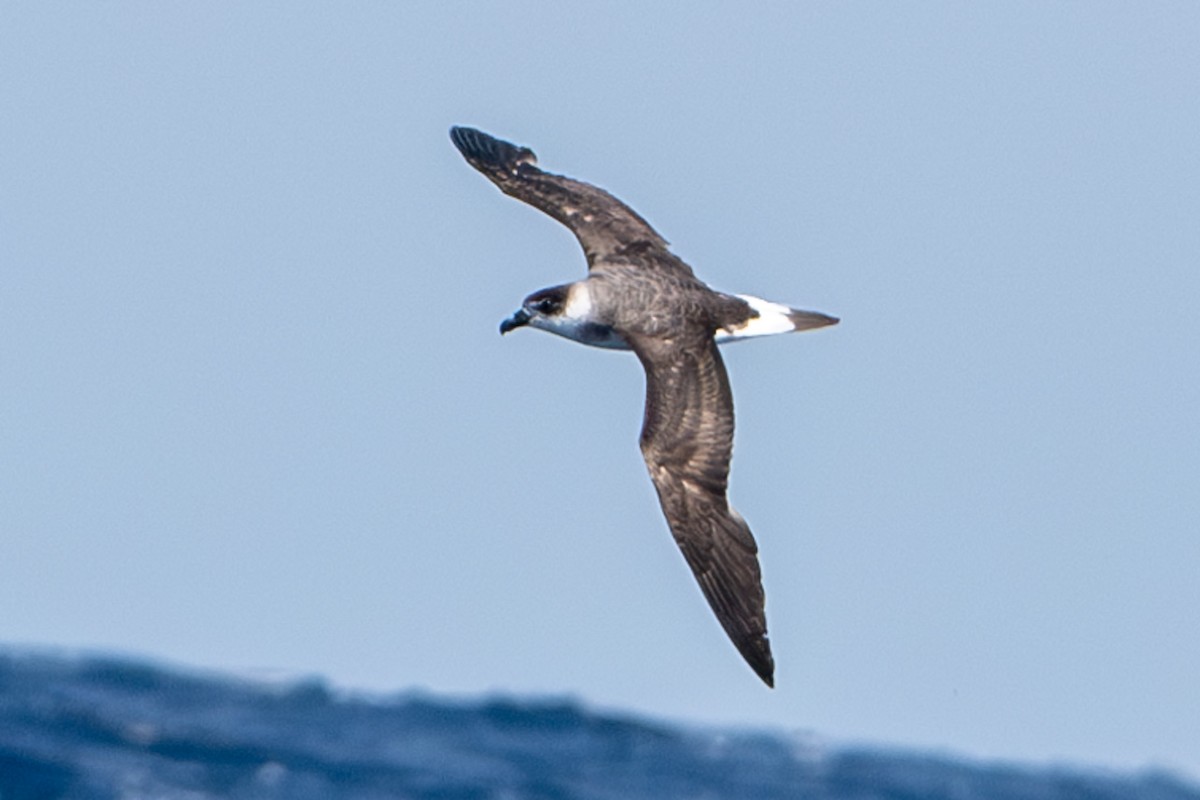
[105, 728]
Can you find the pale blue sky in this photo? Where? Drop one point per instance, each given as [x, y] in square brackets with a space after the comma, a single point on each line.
[256, 414]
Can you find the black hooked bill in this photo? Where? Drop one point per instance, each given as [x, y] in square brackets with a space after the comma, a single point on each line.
[515, 321]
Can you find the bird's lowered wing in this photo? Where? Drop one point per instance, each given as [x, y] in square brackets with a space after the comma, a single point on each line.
[603, 224]
[687, 440]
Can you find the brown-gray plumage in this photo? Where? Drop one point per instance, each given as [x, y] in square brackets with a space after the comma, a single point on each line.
[640, 296]
[602, 223]
[687, 440]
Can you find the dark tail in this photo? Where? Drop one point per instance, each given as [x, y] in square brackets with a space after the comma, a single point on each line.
[807, 320]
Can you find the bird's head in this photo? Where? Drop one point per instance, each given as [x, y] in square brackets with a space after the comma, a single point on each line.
[539, 308]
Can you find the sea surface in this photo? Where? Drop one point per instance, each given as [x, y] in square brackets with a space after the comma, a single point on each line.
[87, 728]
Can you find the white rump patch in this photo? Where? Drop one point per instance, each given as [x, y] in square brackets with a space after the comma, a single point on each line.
[772, 318]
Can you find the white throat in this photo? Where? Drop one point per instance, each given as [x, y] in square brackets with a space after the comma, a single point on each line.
[578, 322]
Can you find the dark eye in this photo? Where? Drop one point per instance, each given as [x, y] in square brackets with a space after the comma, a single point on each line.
[545, 305]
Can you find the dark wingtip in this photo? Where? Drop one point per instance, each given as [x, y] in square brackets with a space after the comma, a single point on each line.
[760, 660]
[486, 150]
[468, 140]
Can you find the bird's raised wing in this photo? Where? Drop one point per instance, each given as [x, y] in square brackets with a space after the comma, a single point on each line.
[687, 440]
[603, 224]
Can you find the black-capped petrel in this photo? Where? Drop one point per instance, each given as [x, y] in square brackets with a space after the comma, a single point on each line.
[639, 296]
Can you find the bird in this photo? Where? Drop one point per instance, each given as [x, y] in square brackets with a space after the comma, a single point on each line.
[640, 296]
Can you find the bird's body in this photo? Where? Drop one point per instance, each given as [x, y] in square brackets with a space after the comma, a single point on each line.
[639, 296]
[592, 313]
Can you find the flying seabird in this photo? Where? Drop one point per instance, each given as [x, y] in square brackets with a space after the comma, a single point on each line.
[639, 296]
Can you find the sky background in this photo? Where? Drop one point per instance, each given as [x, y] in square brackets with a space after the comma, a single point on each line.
[255, 413]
